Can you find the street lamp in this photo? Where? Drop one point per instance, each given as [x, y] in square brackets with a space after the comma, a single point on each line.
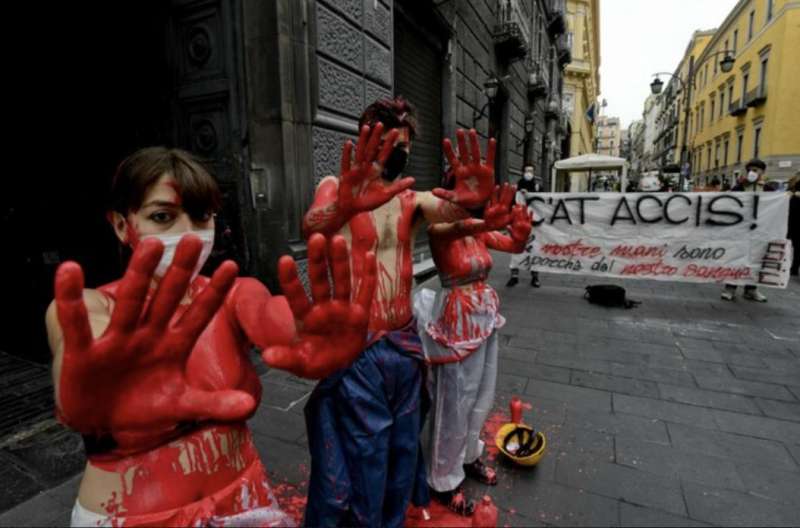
[726, 65]
[490, 88]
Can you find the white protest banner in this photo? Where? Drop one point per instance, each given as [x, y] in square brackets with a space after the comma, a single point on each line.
[733, 237]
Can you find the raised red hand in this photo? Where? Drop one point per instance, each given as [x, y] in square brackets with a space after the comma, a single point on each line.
[130, 382]
[360, 185]
[474, 178]
[521, 223]
[497, 214]
[332, 331]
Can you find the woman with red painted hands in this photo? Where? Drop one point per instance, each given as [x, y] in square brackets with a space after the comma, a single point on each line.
[153, 369]
[458, 327]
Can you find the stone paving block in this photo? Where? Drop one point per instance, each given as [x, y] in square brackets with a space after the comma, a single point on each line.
[574, 361]
[664, 410]
[557, 505]
[533, 370]
[745, 388]
[518, 354]
[620, 425]
[786, 376]
[770, 482]
[691, 366]
[512, 383]
[67, 492]
[794, 449]
[284, 461]
[17, 485]
[685, 465]
[618, 384]
[719, 356]
[571, 442]
[282, 425]
[675, 377]
[574, 396]
[632, 515]
[42, 510]
[733, 508]
[630, 485]
[779, 409]
[730, 445]
[758, 426]
[705, 398]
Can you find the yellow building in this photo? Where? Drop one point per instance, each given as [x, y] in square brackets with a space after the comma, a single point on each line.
[754, 110]
[609, 136]
[582, 77]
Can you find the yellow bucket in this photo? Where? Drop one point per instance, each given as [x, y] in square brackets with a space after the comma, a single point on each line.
[529, 460]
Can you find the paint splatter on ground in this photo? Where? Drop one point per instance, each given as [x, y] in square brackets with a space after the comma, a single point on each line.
[292, 496]
[441, 517]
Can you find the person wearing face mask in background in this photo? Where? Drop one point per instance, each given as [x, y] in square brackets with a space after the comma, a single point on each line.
[752, 181]
[154, 369]
[527, 184]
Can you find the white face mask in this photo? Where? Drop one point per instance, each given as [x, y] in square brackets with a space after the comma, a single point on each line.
[752, 176]
[171, 243]
[527, 176]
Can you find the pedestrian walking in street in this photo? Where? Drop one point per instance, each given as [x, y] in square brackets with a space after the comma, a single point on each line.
[458, 326]
[753, 181]
[526, 184]
[153, 370]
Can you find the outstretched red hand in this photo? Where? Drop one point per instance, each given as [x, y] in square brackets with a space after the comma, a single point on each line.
[497, 214]
[474, 179]
[131, 381]
[360, 185]
[521, 223]
[332, 331]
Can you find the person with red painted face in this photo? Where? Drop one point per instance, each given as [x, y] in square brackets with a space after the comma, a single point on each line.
[364, 422]
[458, 325]
[154, 371]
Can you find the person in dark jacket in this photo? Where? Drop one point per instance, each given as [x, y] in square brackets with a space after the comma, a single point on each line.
[753, 181]
[793, 233]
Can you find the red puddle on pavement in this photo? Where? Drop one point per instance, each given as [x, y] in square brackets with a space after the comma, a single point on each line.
[292, 497]
[441, 517]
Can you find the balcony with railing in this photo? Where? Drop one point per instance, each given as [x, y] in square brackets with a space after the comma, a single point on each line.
[756, 97]
[557, 20]
[537, 84]
[737, 108]
[564, 49]
[512, 34]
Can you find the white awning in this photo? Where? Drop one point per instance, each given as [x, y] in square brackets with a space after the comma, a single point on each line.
[590, 162]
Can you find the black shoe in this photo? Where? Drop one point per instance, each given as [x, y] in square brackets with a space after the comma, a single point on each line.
[793, 272]
[535, 282]
[512, 282]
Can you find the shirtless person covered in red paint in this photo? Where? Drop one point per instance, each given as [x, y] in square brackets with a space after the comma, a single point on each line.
[458, 328]
[154, 370]
[364, 422]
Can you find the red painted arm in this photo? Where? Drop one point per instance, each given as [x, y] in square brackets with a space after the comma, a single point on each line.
[497, 215]
[359, 187]
[474, 179]
[131, 380]
[332, 328]
[520, 230]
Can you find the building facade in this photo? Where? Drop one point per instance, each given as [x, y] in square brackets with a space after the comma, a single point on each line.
[582, 75]
[609, 136]
[751, 111]
[267, 93]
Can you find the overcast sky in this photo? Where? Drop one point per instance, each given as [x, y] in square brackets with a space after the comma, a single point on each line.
[642, 37]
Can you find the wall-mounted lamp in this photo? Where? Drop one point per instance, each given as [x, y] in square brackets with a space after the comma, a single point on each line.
[529, 123]
[490, 88]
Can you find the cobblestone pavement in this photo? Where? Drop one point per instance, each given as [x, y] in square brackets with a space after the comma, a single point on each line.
[683, 411]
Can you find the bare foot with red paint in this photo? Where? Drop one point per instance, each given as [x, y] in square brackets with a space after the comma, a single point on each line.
[481, 472]
[455, 500]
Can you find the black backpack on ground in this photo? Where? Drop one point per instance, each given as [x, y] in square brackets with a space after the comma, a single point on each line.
[609, 295]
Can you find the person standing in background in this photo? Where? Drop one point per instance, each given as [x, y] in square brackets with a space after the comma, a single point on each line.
[527, 184]
[793, 232]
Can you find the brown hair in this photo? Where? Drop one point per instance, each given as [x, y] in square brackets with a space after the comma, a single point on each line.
[199, 192]
[393, 113]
